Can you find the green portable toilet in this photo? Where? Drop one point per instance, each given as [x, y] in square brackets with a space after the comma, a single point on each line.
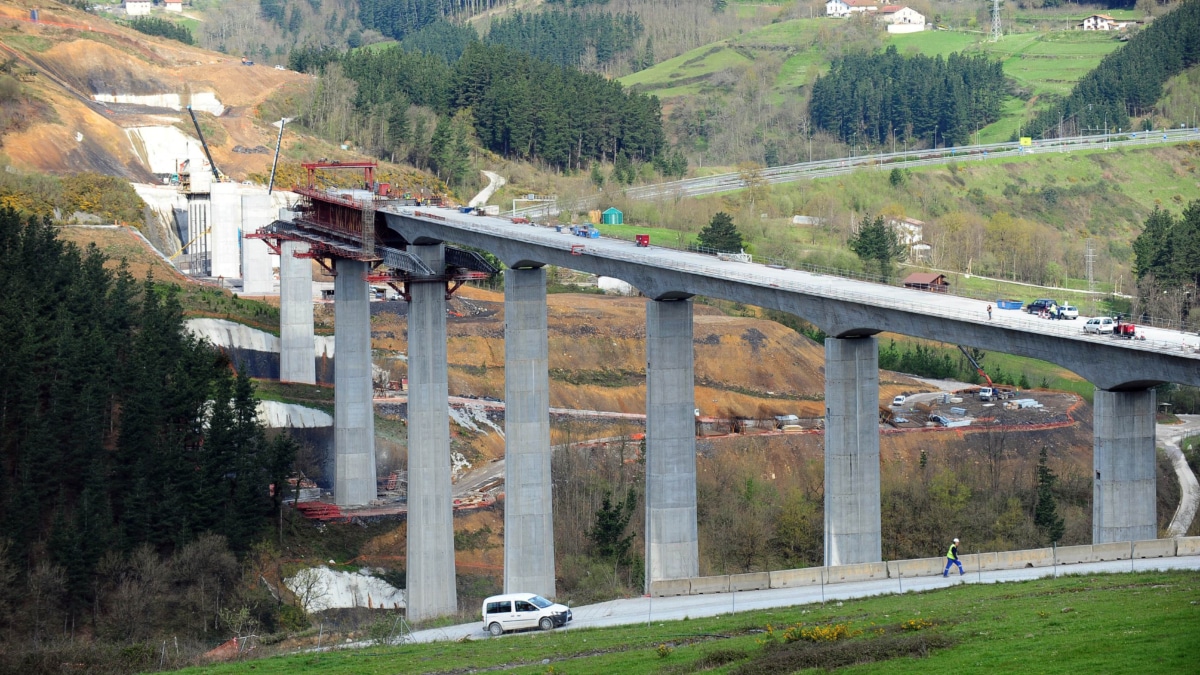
[612, 216]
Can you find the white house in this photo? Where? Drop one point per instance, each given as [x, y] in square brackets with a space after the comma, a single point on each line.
[138, 7]
[844, 8]
[901, 19]
[1103, 22]
[174, 5]
[899, 14]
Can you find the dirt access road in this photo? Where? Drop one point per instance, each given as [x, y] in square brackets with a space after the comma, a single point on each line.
[1169, 436]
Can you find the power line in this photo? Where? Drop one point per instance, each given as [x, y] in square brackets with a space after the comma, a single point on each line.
[996, 21]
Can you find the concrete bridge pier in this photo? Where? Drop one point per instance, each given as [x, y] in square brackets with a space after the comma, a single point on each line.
[1123, 494]
[528, 514]
[852, 511]
[297, 346]
[431, 587]
[354, 414]
[672, 549]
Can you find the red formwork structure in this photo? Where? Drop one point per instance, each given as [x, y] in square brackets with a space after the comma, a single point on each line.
[340, 223]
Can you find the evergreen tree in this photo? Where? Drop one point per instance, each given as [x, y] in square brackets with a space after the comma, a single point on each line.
[597, 175]
[720, 234]
[608, 533]
[1045, 516]
[876, 243]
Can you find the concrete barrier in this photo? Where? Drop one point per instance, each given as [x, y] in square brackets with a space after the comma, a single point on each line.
[1015, 560]
[920, 567]
[754, 581]
[1117, 550]
[670, 587]
[1187, 546]
[806, 576]
[980, 562]
[1154, 548]
[1073, 555]
[702, 585]
[858, 572]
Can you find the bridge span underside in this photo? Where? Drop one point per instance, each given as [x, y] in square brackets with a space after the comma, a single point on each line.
[1123, 506]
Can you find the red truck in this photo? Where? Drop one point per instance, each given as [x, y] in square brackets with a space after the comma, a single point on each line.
[1127, 330]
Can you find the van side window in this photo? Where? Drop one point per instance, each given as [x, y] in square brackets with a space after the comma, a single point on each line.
[498, 607]
[523, 606]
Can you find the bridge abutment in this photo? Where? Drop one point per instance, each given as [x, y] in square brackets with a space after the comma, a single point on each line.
[852, 511]
[297, 345]
[528, 515]
[1123, 495]
[672, 549]
[430, 584]
[353, 418]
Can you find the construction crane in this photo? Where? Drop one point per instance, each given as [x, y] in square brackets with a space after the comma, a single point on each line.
[204, 144]
[975, 363]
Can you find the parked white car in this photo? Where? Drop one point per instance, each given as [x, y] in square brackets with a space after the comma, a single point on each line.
[1069, 312]
[518, 611]
[1099, 325]
[898, 401]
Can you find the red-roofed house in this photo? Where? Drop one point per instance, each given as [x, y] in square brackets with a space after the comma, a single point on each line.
[928, 281]
[1103, 22]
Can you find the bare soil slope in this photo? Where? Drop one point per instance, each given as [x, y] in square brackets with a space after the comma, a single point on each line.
[76, 56]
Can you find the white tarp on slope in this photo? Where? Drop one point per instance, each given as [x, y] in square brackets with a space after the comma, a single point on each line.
[225, 333]
[321, 588]
[279, 415]
[163, 149]
[205, 101]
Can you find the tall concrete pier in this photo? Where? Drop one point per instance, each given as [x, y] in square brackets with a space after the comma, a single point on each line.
[431, 587]
[297, 346]
[672, 549]
[354, 412]
[852, 513]
[1123, 496]
[528, 516]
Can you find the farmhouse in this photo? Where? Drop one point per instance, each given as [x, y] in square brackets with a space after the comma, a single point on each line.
[138, 7]
[901, 19]
[910, 232]
[174, 5]
[928, 281]
[844, 8]
[1103, 22]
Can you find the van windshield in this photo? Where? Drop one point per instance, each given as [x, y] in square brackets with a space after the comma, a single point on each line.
[541, 602]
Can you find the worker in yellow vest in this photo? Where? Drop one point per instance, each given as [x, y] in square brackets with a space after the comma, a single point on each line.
[952, 559]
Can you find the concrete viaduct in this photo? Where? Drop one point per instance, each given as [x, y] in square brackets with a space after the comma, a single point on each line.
[850, 312]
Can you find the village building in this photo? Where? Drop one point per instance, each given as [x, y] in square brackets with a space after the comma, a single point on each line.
[843, 8]
[1103, 22]
[138, 7]
[901, 19]
[927, 281]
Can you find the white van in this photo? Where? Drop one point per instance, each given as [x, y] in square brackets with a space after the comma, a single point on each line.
[518, 611]
[898, 401]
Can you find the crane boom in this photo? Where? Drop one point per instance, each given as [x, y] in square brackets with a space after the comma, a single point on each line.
[975, 363]
[204, 144]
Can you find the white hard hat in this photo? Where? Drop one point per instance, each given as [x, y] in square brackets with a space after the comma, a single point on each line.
[956, 540]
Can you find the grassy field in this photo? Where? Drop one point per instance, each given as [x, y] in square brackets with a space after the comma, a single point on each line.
[1128, 623]
[1042, 64]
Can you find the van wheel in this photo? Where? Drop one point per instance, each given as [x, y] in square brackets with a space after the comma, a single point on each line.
[496, 630]
[546, 623]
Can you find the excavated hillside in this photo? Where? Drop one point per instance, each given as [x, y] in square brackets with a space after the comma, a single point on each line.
[115, 99]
